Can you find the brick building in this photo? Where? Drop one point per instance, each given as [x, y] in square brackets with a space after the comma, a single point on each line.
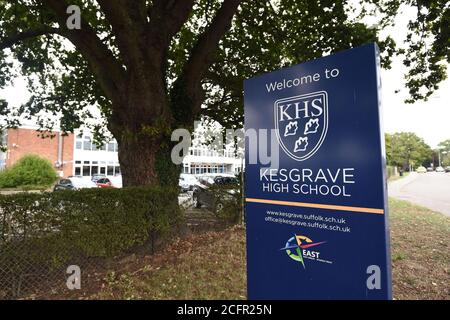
[59, 149]
[70, 155]
[76, 154]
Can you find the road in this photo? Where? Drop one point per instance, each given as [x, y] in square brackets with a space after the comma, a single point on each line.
[430, 190]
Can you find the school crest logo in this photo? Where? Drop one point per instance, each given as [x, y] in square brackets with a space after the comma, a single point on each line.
[301, 124]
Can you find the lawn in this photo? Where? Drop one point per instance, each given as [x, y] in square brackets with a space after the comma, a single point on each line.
[393, 178]
[420, 241]
[211, 265]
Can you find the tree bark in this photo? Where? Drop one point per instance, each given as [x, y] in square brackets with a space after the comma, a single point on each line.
[142, 125]
[147, 162]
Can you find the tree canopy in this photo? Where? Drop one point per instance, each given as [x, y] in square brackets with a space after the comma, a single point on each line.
[265, 35]
[152, 66]
[406, 148]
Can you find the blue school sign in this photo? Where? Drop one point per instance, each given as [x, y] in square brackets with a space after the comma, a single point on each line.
[317, 219]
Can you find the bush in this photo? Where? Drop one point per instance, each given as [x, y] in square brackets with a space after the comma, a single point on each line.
[49, 231]
[230, 196]
[30, 170]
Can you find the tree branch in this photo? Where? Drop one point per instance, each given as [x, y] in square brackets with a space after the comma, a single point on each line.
[102, 62]
[166, 19]
[32, 33]
[188, 84]
[128, 27]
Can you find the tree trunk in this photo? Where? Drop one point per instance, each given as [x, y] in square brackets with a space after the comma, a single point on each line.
[141, 122]
[146, 161]
[137, 161]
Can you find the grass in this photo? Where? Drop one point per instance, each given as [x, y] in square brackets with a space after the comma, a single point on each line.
[206, 266]
[420, 241]
[26, 188]
[397, 177]
[211, 265]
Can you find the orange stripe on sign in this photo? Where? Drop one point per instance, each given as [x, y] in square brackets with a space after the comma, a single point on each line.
[317, 205]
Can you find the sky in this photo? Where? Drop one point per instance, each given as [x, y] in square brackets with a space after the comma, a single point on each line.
[430, 120]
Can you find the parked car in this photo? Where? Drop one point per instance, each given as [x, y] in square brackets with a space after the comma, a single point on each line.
[95, 178]
[421, 170]
[430, 169]
[104, 183]
[440, 169]
[447, 169]
[74, 183]
[215, 192]
[184, 186]
[189, 181]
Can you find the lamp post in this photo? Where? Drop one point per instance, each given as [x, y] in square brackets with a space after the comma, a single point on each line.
[439, 154]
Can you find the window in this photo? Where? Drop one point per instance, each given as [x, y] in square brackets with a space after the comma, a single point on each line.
[87, 145]
[92, 168]
[86, 171]
[110, 171]
[111, 146]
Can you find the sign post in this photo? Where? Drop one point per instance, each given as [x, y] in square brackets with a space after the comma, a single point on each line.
[316, 199]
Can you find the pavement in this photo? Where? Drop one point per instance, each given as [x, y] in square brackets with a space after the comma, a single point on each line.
[430, 190]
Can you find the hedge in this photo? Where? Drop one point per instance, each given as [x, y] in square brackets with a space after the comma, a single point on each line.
[47, 230]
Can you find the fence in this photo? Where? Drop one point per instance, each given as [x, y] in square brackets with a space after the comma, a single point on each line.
[41, 235]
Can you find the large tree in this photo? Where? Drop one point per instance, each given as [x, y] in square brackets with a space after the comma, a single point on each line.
[151, 66]
[406, 148]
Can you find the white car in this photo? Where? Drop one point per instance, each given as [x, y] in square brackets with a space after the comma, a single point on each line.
[440, 169]
[421, 170]
[74, 183]
[188, 181]
[182, 183]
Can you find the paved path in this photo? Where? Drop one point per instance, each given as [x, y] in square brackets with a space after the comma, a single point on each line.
[431, 190]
